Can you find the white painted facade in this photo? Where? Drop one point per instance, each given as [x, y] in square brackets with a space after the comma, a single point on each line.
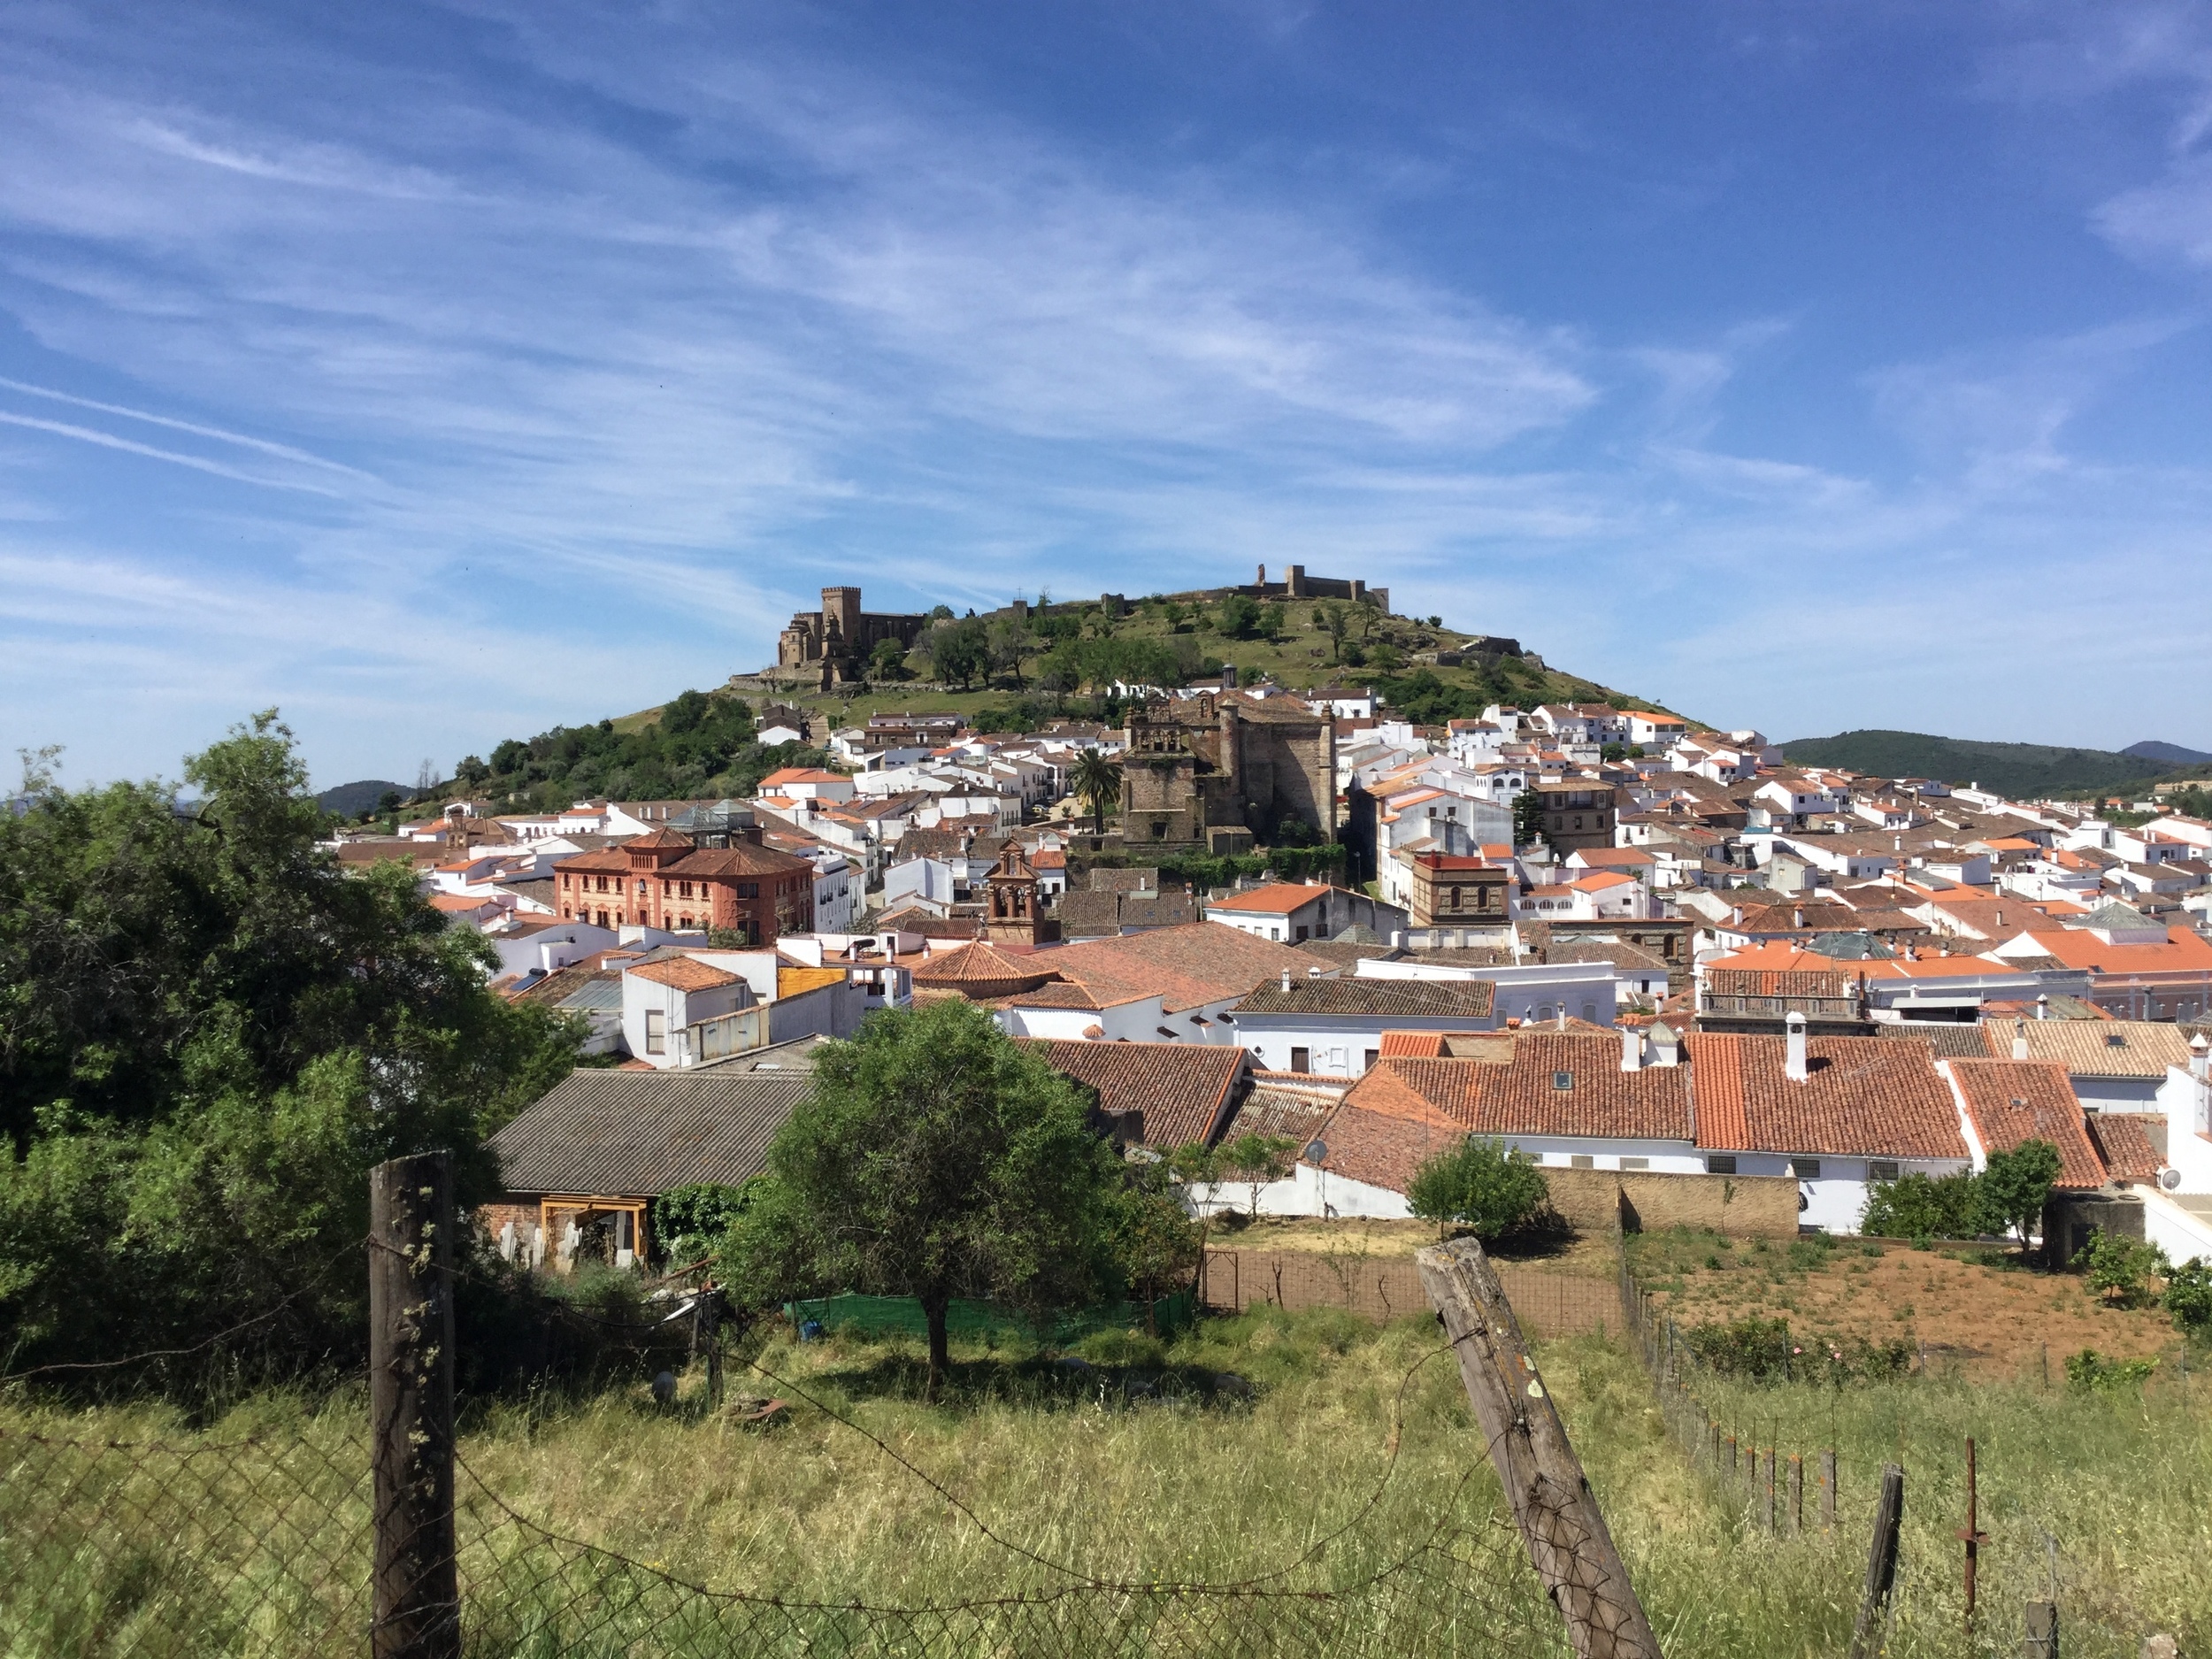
[1532, 992]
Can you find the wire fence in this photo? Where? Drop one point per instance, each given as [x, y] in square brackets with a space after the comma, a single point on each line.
[1992, 1541]
[126, 1530]
[1547, 1303]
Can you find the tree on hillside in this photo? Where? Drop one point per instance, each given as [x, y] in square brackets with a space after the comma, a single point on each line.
[1370, 613]
[1009, 643]
[1330, 620]
[209, 1033]
[1096, 780]
[1274, 622]
[957, 650]
[1237, 616]
[887, 661]
[2017, 1184]
[1480, 1185]
[938, 1159]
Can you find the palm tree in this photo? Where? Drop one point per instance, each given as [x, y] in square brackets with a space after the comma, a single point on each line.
[1097, 780]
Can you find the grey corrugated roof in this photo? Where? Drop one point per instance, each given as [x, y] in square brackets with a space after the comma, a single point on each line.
[638, 1134]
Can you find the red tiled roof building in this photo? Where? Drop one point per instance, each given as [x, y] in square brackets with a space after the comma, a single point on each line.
[660, 880]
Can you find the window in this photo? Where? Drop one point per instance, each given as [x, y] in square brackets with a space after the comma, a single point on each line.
[1590, 1012]
[656, 1031]
[1881, 1170]
[1301, 934]
[1635, 1164]
[749, 890]
[1805, 1169]
[1373, 1055]
[1563, 1080]
[564, 880]
[1581, 1161]
[1301, 1059]
[2115, 1040]
[1721, 1163]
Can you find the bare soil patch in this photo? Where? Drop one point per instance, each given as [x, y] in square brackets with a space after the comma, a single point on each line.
[1980, 1313]
[1582, 1254]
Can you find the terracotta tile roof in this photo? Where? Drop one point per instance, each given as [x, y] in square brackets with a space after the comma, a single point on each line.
[1383, 1146]
[561, 984]
[1413, 1045]
[2094, 1048]
[2077, 948]
[1777, 981]
[685, 973]
[742, 859]
[457, 904]
[1864, 1097]
[1451, 999]
[928, 924]
[1277, 898]
[1524, 1097]
[1950, 1041]
[1062, 993]
[979, 971]
[2012, 1101]
[2130, 1143]
[657, 838]
[1190, 965]
[1185, 1090]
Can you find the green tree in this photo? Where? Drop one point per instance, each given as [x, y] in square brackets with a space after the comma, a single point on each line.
[1274, 622]
[1480, 1185]
[2120, 1269]
[1010, 644]
[936, 1159]
[1528, 818]
[1096, 780]
[1237, 616]
[2017, 1184]
[691, 1221]
[887, 661]
[1917, 1206]
[2189, 1296]
[209, 1033]
[1330, 620]
[1370, 611]
[957, 651]
[1256, 1161]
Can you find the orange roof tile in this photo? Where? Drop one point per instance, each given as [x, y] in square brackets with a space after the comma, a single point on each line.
[685, 973]
[1864, 1096]
[1277, 898]
[2010, 1101]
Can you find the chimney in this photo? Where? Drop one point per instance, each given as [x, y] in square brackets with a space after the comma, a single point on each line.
[1286, 979]
[2043, 1006]
[1797, 917]
[1631, 1048]
[1666, 1048]
[1794, 1062]
[1562, 1017]
[2200, 1058]
[1735, 916]
[2019, 1038]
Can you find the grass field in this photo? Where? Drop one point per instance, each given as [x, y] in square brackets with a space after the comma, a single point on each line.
[1352, 1452]
[1976, 1308]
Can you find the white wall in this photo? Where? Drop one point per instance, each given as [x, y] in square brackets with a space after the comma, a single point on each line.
[1308, 1192]
[677, 1010]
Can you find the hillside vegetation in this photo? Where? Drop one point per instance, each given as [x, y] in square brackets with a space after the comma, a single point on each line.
[1060, 659]
[2019, 770]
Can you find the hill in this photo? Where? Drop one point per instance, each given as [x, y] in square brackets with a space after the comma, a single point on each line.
[1075, 649]
[350, 800]
[2167, 754]
[2029, 770]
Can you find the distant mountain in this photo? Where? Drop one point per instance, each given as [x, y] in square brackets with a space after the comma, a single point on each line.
[350, 800]
[2015, 769]
[2171, 754]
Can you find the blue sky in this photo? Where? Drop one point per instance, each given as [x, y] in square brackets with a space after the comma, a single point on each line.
[441, 374]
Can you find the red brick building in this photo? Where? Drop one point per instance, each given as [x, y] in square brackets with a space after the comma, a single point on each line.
[662, 881]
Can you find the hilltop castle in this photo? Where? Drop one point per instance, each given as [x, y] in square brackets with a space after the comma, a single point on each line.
[836, 640]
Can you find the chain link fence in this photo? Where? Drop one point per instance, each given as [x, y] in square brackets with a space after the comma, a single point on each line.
[144, 1534]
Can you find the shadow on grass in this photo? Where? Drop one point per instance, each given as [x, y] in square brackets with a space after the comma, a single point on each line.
[1064, 1382]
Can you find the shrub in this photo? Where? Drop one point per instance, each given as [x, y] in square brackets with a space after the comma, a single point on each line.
[1918, 1205]
[1481, 1186]
[1763, 1350]
[2189, 1295]
[2090, 1372]
[2119, 1268]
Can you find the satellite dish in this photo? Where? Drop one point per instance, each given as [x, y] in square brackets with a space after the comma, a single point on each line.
[1317, 1151]
[2171, 1179]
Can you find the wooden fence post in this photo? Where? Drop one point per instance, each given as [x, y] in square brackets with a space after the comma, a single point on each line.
[1881, 1564]
[1828, 1492]
[1559, 1519]
[1766, 1489]
[1797, 1494]
[417, 1598]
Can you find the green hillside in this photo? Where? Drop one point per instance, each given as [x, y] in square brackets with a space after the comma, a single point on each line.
[2029, 770]
[1072, 651]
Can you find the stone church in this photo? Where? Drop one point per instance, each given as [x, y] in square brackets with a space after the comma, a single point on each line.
[1219, 774]
[835, 641]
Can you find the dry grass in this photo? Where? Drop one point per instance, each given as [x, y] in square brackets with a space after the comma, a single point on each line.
[1980, 1313]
